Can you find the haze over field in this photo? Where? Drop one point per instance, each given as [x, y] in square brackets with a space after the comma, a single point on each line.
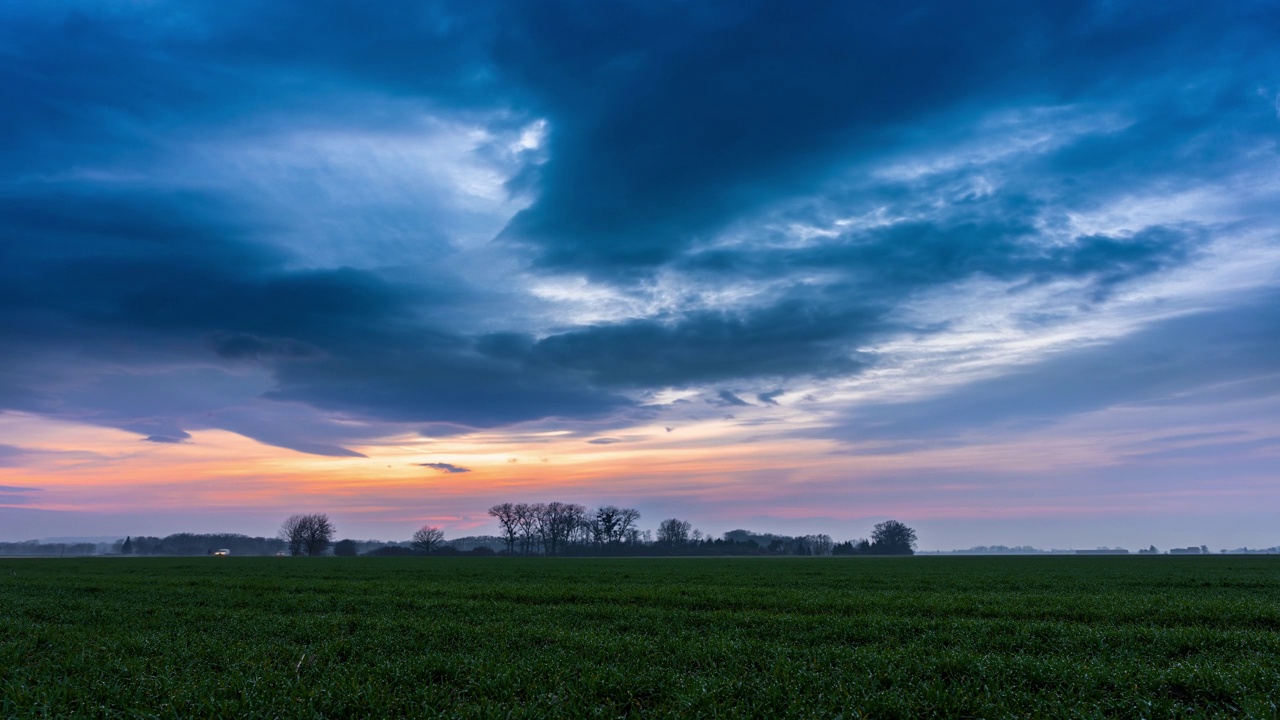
[1005, 271]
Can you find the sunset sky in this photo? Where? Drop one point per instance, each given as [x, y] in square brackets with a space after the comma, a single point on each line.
[1008, 272]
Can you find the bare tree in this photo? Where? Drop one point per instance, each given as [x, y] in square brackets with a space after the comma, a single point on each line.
[635, 536]
[527, 521]
[627, 519]
[307, 534]
[610, 525]
[573, 524]
[604, 524]
[556, 523]
[508, 520]
[427, 538]
[319, 534]
[593, 530]
[292, 532]
[583, 532]
[674, 532]
[542, 530]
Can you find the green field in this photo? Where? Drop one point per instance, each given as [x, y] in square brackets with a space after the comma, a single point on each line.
[752, 637]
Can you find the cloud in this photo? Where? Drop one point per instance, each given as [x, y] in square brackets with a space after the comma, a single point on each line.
[1206, 356]
[769, 192]
[179, 438]
[889, 263]
[692, 133]
[243, 346]
[787, 339]
[727, 398]
[604, 441]
[14, 494]
[10, 455]
[440, 379]
[445, 467]
[313, 331]
[769, 398]
[663, 130]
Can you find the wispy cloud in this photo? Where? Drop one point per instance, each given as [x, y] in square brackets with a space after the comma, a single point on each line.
[445, 467]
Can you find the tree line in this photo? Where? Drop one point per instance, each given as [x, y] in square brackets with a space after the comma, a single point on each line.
[568, 529]
[557, 528]
[199, 544]
[35, 548]
[525, 529]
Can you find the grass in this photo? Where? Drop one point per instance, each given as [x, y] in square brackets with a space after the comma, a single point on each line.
[752, 637]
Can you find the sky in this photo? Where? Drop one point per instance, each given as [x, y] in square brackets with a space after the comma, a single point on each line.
[1008, 272]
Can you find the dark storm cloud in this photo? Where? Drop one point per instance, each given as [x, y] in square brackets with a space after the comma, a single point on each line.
[98, 86]
[667, 125]
[176, 284]
[816, 333]
[789, 338]
[888, 263]
[121, 286]
[417, 378]
[669, 121]
[163, 272]
[243, 346]
[445, 467]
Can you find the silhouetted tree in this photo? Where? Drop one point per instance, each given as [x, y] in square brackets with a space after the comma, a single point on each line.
[427, 538]
[307, 534]
[852, 547]
[391, 551]
[555, 523]
[127, 547]
[611, 525]
[319, 534]
[527, 517]
[508, 519]
[346, 548]
[819, 544]
[292, 532]
[674, 532]
[893, 538]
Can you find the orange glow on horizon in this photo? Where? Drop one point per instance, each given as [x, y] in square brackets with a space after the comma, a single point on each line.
[716, 468]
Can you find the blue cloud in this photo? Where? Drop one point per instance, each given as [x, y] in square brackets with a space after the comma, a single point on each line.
[1209, 356]
[177, 438]
[445, 467]
[726, 148]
